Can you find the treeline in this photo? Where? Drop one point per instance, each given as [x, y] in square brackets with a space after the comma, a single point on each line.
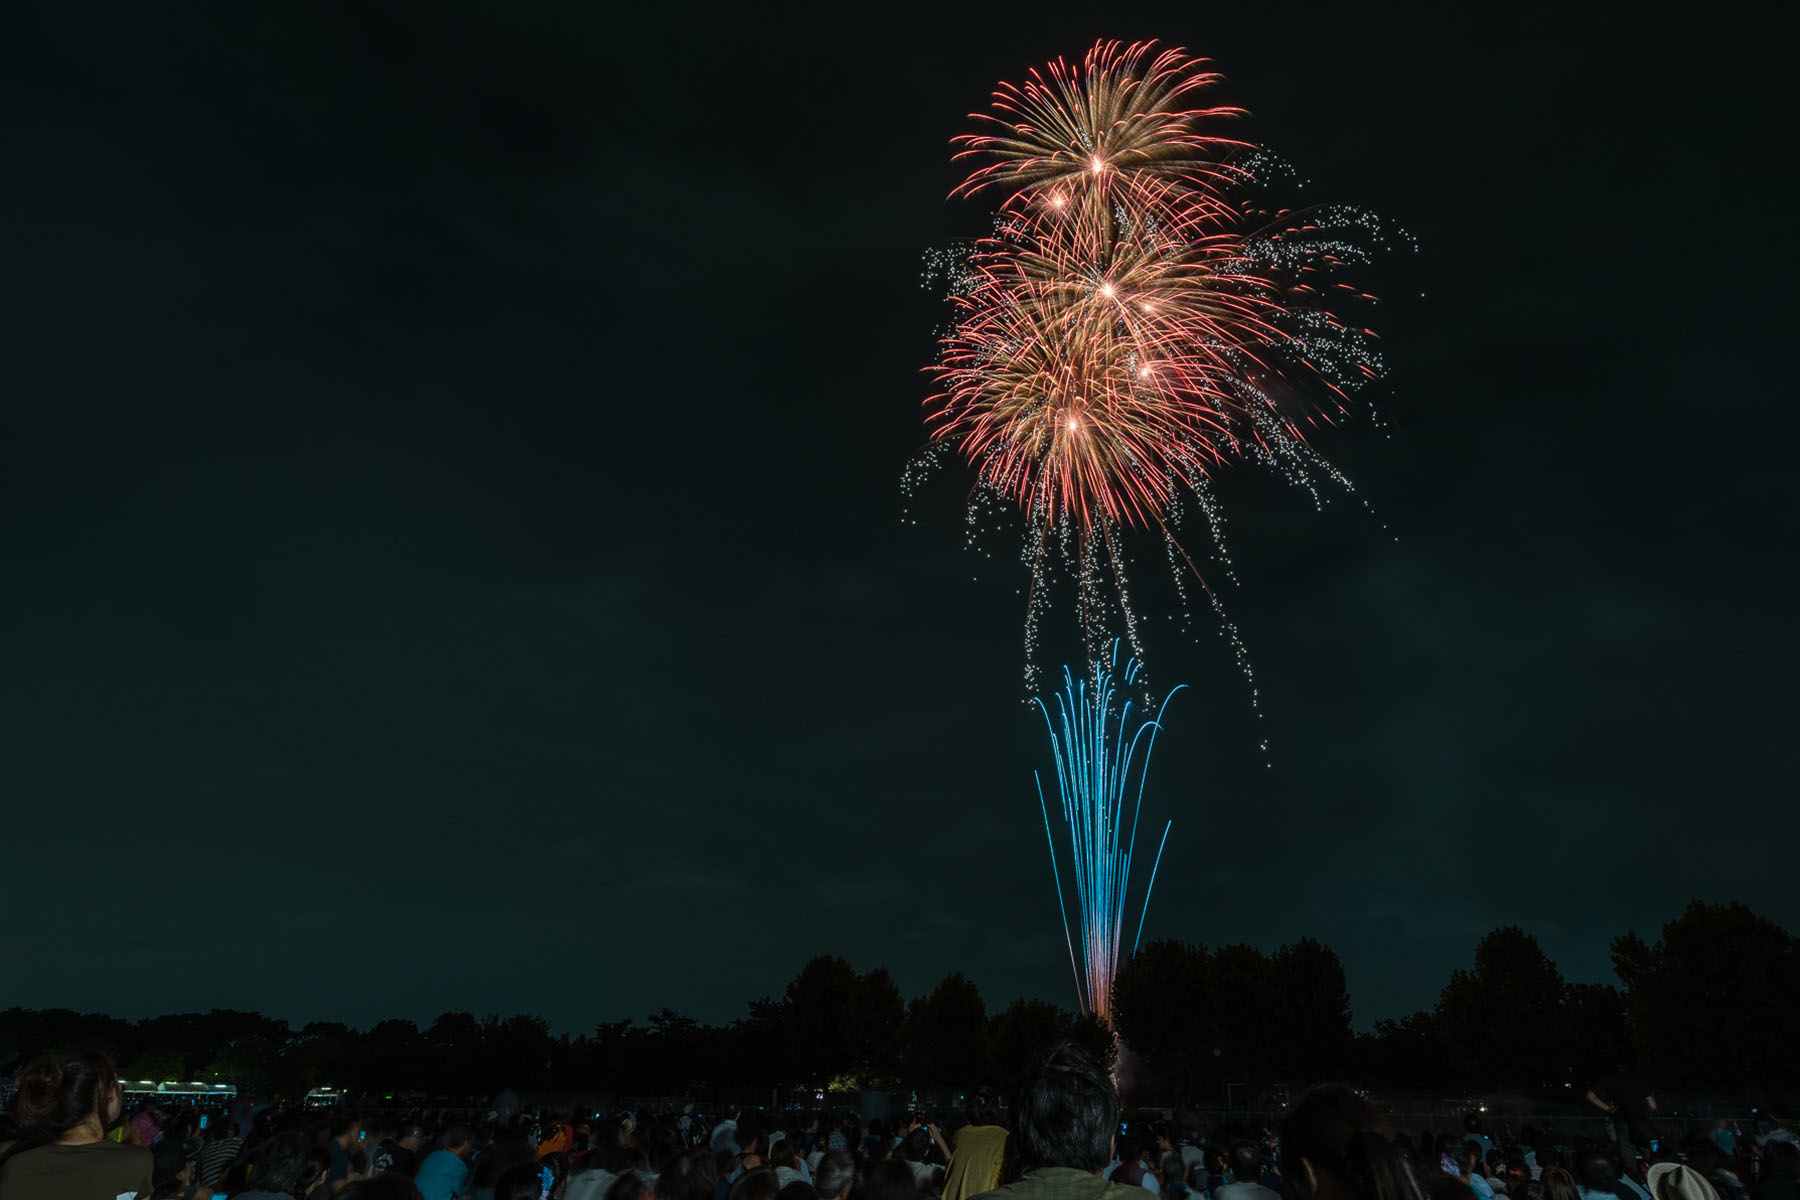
[1709, 1004]
[832, 1029]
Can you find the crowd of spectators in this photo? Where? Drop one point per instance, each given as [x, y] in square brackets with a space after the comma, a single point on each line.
[69, 1135]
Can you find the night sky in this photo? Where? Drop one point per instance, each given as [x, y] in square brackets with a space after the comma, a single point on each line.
[450, 527]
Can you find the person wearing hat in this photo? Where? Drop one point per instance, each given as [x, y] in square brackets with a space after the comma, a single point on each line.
[1677, 1181]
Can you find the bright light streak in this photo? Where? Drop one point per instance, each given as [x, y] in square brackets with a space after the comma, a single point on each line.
[1096, 755]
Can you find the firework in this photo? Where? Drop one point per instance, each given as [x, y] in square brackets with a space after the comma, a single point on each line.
[1094, 741]
[1139, 316]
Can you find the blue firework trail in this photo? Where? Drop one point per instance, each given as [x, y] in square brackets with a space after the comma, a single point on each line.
[1096, 753]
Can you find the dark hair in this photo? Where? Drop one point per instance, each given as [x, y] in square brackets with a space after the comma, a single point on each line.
[836, 1172]
[629, 1186]
[314, 1170]
[1338, 1133]
[279, 1163]
[918, 1146]
[386, 1186]
[1246, 1161]
[983, 1108]
[799, 1189]
[1558, 1184]
[1066, 1112]
[888, 1180]
[57, 1093]
[1598, 1171]
[521, 1181]
[694, 1175]
[758, 1183]
[458, 1135]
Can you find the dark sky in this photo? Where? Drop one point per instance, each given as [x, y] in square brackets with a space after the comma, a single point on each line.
[450, 516]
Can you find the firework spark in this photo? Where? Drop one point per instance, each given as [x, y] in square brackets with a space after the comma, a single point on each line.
[1139, 317]
[1096, 755]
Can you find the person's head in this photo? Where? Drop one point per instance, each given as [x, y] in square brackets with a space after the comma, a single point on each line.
[888, 1180]
[1673, 1181]
[1783, 1158]
[386, 1186]
[836, 1173]
[1558, 1184]
[344, 1130]
[799, 1189]
[1468, 1157]
[409, 1134]
[1245, 1161]
[629, 1186]
[918, 1146]
[785, 1154]
[1597, 1170]
[459, 1140]
[693, 1175]
[318, 1166]
[1170, 1166]
[1066, 1112]
[983, 1108]
[1333, 1147]
[60, 1092]
[757, 1184]
[521, 1181]
[280, 1163]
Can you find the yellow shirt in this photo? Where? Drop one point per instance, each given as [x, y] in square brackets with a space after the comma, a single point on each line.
[976, 1159]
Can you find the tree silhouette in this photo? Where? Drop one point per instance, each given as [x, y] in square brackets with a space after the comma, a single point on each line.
[1503, 1021]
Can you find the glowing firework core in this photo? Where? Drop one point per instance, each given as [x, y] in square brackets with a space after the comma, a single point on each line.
[1129, 231]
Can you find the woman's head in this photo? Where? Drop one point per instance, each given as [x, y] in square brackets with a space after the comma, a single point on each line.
[1333, 1148]
[59, 1092]
[1558, 1184]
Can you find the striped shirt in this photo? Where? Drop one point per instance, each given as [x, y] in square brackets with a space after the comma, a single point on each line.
[217, 1157]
